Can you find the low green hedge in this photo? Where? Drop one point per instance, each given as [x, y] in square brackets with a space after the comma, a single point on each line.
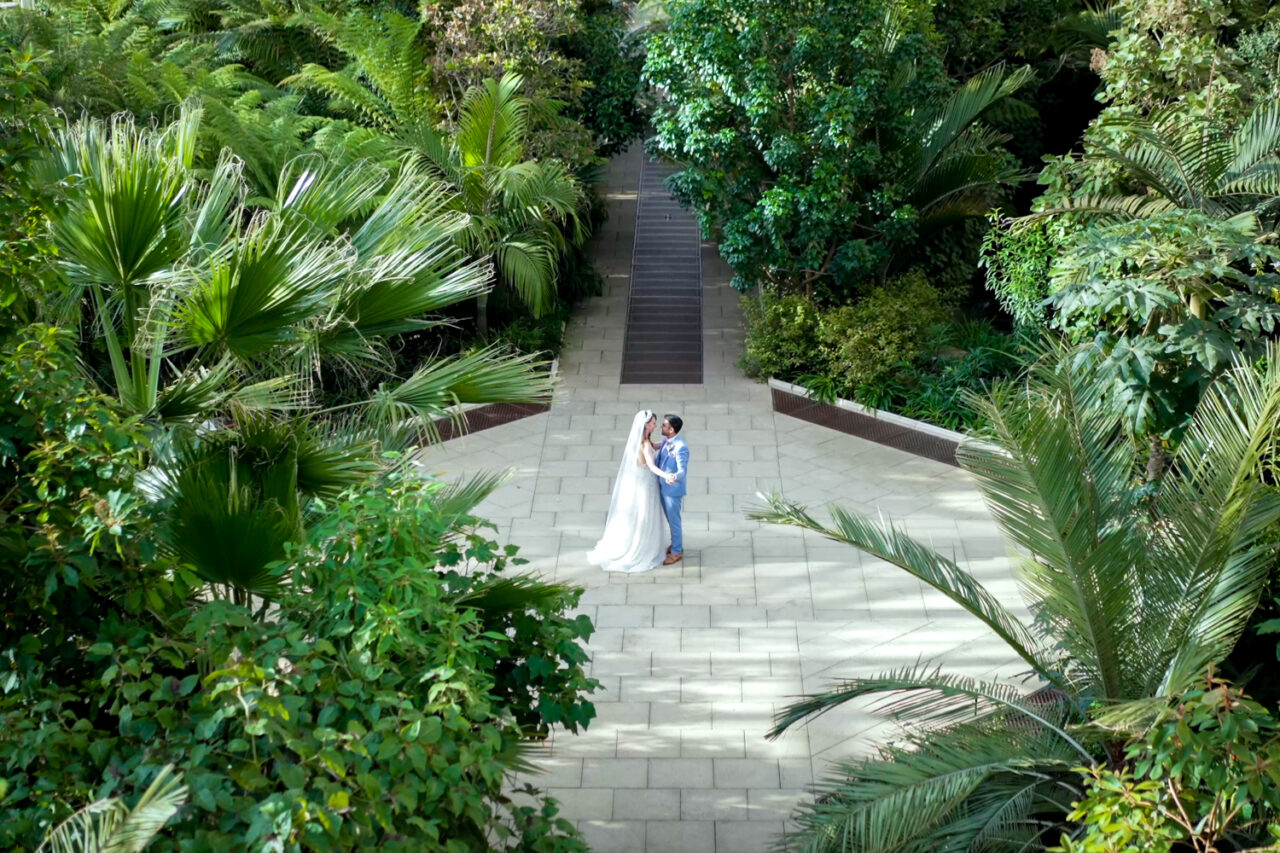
[896, 348]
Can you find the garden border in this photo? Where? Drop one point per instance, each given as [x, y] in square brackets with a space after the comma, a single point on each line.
[476, 417]
[915, 437]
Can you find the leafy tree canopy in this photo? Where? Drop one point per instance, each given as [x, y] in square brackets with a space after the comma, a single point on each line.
[820, 137]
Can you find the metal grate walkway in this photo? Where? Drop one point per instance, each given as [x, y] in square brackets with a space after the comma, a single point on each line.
[663, 343]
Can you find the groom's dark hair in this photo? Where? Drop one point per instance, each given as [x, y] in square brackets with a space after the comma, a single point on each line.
[676, 422]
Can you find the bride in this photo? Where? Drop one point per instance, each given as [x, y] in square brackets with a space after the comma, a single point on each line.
[633, 539]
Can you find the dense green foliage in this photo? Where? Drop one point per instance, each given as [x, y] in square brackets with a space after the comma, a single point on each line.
[352, 83]
[838, 145]
[898, 348]
[1136, 589]
[1205, 775]
[380, 705]
[236, 283]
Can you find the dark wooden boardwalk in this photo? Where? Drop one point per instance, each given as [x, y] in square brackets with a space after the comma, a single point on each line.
[663, 343]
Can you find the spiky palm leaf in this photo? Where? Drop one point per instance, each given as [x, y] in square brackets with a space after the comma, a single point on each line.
[953, 789]
[109, 826]
[1190, 163]
[437, 389]
[893, 545]
[951, 163]
[1138, 593]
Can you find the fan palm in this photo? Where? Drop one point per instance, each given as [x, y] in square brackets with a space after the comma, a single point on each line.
[216, 316]
[200, 302]
[520, 215]
[1134, 593]
[1192, 163]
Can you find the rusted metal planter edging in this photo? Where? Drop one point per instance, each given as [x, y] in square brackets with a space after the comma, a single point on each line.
[481, 416]
[917, 437]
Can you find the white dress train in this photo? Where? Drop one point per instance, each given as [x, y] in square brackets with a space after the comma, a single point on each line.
[634, 538]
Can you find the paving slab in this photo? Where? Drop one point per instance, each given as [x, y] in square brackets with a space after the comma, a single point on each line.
[695, 659]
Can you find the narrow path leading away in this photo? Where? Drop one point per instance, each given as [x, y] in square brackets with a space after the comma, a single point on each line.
[663, 343]
[695, 659]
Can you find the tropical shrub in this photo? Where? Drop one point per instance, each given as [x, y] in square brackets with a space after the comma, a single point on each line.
[1169, 302]
[69, 456]
[898, 349]
[1136, 589]
[1018, 258]
[863, 342]
[966, 357]
[1205, 776]
[519, 215]
[782, 335]
[381, 703]
[23, 135]
[201, 303]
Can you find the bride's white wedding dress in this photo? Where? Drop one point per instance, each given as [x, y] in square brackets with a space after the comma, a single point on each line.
[634, 537]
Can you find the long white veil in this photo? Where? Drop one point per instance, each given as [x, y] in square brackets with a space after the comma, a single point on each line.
[629, 472]
[630, 532]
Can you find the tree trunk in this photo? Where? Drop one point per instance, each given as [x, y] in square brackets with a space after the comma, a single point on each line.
[482, 315]
[1157, 461]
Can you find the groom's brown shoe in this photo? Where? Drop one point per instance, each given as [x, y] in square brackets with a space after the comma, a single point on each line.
[672, 559]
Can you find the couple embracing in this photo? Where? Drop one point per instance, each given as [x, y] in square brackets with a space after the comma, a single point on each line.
[650, 488]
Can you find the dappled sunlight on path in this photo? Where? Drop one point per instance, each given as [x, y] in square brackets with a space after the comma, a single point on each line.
[694, 659]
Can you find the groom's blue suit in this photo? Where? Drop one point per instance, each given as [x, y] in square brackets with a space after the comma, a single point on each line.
[673, 458]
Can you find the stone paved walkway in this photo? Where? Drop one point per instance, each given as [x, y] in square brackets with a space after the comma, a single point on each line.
[695, 659]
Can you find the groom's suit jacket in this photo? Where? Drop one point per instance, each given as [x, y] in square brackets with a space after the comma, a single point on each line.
[673, 458]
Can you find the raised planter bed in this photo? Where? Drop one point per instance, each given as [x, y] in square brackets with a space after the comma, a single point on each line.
[917, 437]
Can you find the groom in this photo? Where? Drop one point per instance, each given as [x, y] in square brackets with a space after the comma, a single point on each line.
[673, 458]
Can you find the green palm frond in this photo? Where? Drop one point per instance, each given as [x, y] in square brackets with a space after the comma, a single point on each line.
[332, 460]
[398, 288]
[195, 392]
[529, 268]
[945, 124]
[323, 196]
[250, 303]
[1055, 473]
[231, 501]
[219, 206]
[1191, 163]
[890, 544]
[1092, 27]
[514, 594]
[1215, 544]
[109, 826]
[455, 500]
[484, 376]
[492, 123]
[942, 790]
[926, 694]
[124, 219]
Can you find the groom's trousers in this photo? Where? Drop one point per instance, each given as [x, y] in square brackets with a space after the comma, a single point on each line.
[671, 505]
